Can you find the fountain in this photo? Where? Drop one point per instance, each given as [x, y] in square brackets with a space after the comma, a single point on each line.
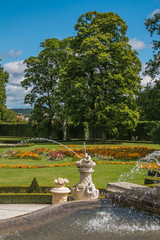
[90, 218]
[85, 189]
[141, 197]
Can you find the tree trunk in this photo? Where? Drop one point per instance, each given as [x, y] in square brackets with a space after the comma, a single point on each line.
[91, 133]
[65, 130]
[103, 136]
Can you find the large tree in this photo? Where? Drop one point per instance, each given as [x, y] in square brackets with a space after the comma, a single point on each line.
[149, 97]
[3, 80]
[92, 77]
[41, 77]
[102, 77]
[153, 66]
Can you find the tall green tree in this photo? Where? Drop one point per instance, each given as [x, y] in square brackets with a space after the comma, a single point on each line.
[153, 66]
[42, 77]
[3, 81]
[102, 77]
[149, 97]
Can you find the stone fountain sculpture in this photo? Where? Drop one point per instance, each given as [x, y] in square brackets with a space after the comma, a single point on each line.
[85, 189]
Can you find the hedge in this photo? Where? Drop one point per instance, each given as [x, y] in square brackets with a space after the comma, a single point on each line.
[142, 130]
[22, 189]
[153, 177]
[14, 194]
[39, 198]
[35, 130]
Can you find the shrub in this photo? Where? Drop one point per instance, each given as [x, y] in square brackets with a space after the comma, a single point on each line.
[34, 188]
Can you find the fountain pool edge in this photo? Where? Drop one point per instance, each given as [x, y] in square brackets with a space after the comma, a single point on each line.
[133, 195]
[52, 213]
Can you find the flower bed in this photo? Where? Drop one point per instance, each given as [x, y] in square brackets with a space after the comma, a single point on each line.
[62, 165]
[110, 153]
[35, 155]
[100, 152]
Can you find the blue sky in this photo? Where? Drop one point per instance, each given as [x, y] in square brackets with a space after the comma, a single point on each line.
[25, 24]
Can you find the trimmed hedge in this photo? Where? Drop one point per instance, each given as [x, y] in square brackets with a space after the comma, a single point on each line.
[153, 177]
[21, 130]
[151, 180]
[39, 198]
[22, 189]
[8, 197]
[34, 188]
[36, 130]
[73, 131]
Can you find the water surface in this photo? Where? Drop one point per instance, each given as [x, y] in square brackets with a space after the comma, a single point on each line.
[100, 223]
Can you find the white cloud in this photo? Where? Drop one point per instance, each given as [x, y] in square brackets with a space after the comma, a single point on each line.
[16, 72]
[137, 44]
[15, 93]
[153, 13]
[10, 54]
[15, 67]
[145, 79]
[14, 54]
[15, 96]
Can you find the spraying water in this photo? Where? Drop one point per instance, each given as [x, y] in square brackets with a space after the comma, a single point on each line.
[152, 157]
[52, 141]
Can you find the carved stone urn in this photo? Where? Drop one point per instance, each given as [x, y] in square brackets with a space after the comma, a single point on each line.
[85, 189]
[60, 192]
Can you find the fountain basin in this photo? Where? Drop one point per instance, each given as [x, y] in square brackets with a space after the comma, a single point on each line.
[94, 219]
[129, 194]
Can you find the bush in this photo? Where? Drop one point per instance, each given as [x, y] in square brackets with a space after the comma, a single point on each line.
[34, 188]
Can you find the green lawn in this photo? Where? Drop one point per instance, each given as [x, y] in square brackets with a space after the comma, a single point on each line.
[103, 173]
[45, 176]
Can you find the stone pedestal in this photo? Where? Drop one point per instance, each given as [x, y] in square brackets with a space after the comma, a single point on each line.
[60, 192]
[85, 189]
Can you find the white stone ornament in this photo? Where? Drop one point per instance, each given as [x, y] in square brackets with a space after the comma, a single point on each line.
[60, 192]
[85, 189]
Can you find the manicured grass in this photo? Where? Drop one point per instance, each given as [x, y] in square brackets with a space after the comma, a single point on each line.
[103, 173]
[45, 176]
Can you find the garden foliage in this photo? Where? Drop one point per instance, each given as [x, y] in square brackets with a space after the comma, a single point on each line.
[34, 188]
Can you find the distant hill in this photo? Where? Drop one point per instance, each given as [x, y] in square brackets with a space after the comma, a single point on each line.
[22, 111]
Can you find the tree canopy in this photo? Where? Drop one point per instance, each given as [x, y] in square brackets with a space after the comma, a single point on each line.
[41, 77]
[103, 75]
[153, 66]
[149, 98]
[92, 77]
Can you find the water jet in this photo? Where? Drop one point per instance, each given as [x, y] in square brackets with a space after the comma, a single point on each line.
[92, 219]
